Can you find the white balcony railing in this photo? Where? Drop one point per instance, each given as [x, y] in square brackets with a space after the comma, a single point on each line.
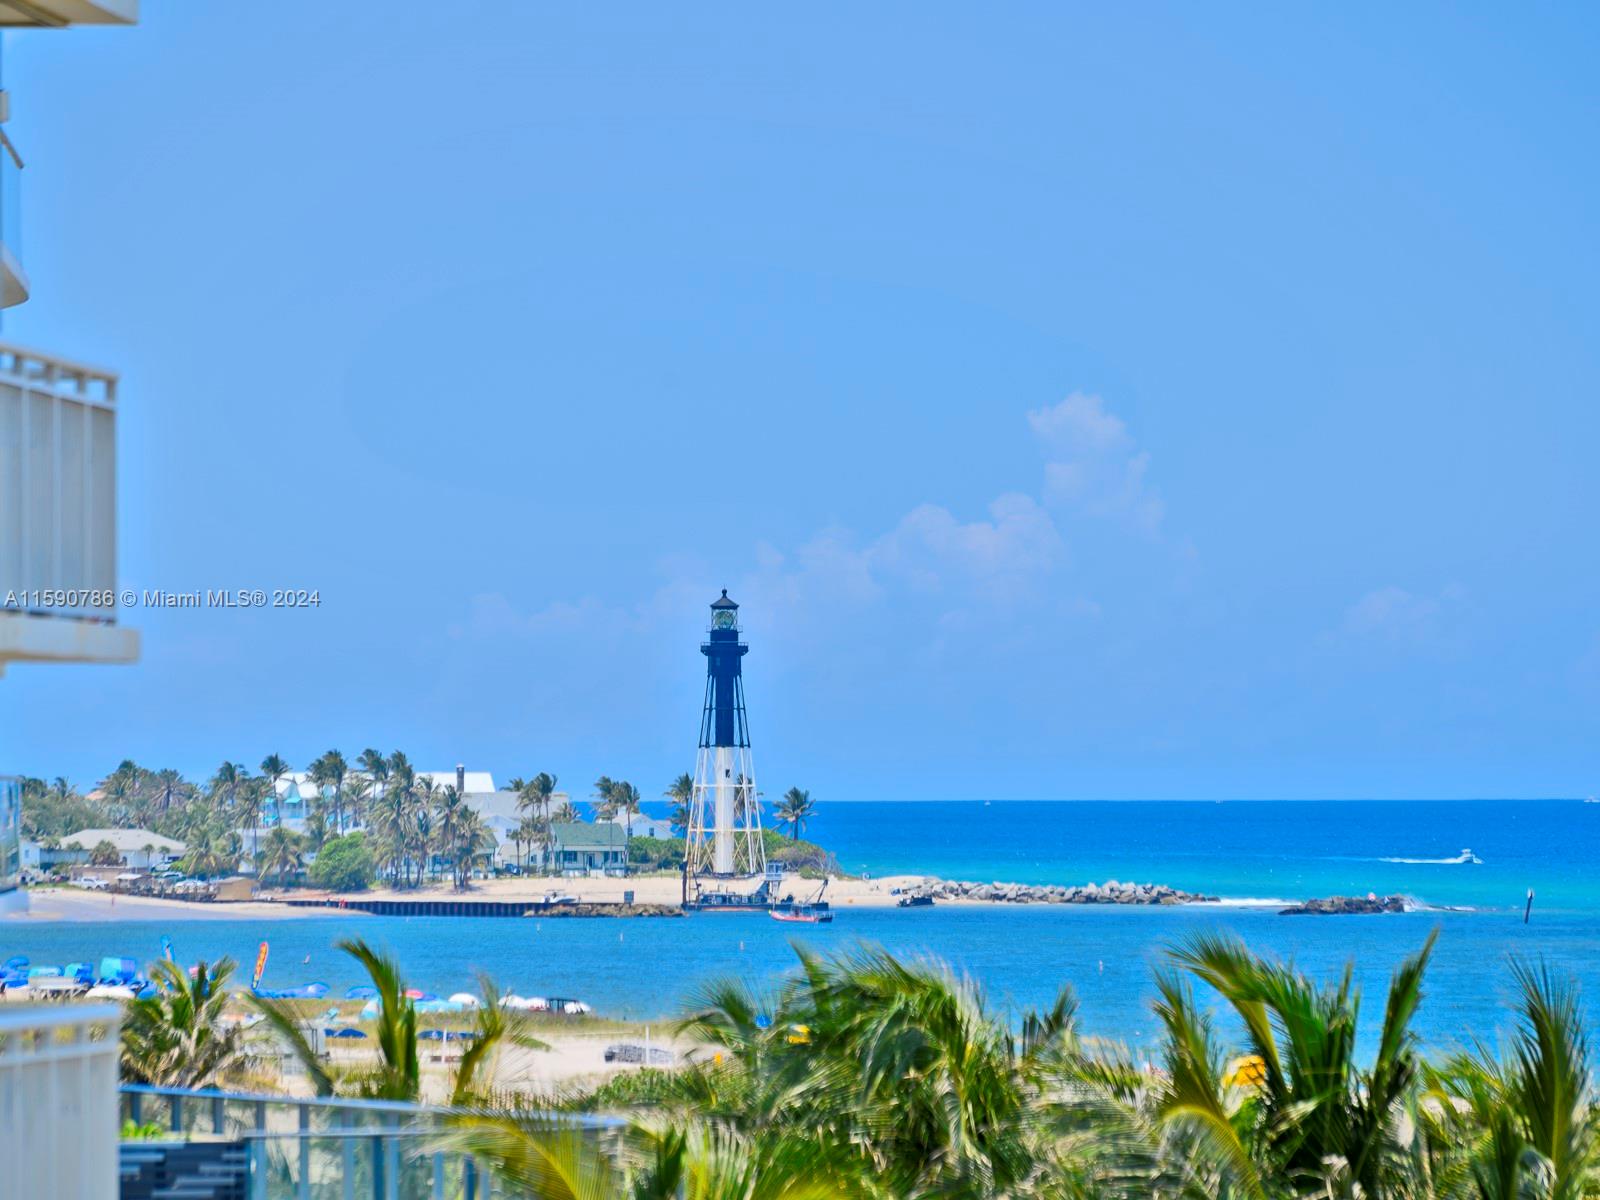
[58, 1100]
[58, 473]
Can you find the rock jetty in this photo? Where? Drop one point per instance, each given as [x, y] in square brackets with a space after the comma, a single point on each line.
[1336, 906]
[1111, 892]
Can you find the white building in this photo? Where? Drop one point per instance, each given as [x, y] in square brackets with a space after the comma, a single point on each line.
[58, 456]
[141, 849]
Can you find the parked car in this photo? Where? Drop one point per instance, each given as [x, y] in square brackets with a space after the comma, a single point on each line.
[91, 883]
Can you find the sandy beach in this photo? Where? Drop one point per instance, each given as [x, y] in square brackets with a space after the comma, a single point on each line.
[72, 904]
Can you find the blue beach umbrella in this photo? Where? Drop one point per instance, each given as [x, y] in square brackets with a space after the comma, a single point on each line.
[361, 993]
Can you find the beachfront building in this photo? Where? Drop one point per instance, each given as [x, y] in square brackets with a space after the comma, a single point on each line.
[139, 849]
[644, 825]
[58, 561]
[296, 795]
[582, 848]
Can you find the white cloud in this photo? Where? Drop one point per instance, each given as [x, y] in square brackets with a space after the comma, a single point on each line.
[1011, 556]
[1396, 619]
[1093, 466]
[930, 548]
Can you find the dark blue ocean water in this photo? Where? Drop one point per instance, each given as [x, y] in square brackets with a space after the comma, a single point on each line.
[649, 968]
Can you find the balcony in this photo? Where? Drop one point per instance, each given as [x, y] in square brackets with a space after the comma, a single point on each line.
[274, 1147]
[58, 1100]
[58, 562]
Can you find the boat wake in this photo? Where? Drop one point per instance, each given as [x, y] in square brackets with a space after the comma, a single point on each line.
[1466, 856]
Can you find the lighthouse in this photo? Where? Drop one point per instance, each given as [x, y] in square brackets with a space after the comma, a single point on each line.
[724, 832]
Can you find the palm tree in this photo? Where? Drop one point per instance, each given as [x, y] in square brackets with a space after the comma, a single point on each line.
[282, 854]
[251, 792]
[398, 1074]
[213, 849]
[625, 800]
[1528, 1119]
[274, 768]
[1318, 1122]
[794, 810]
[605, 806]
[451, 811]
[565, 811]
[176, 1037]
[225, 783]
[377, 768]
[681, 793]
[328, 772]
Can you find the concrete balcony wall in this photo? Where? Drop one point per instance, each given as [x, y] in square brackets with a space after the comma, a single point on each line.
[58, 1100]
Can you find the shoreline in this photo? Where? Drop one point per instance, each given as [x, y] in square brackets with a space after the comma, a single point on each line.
[74, 905]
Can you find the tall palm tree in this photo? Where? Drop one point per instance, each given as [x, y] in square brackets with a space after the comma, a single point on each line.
[176, 1037]
[327, 771]
[356, 796]
[605, 804]
[252, 796]
[794, 810]
[626, 800]
[376, 766]
[225, 783]
[681, 793]
[282, 854]
[450, 818]
[274, 768]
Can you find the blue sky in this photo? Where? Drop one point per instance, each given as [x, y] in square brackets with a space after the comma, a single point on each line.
[1181, 402]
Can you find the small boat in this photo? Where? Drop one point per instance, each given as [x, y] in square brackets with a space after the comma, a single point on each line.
[801, 914]
[916, 902]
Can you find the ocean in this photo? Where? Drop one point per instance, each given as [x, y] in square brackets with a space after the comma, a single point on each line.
[649, 969]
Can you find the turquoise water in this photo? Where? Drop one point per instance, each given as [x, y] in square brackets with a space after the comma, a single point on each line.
[648, 968]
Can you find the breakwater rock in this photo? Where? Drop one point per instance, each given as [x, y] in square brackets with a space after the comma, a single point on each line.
[1336, 906]
[1111, 892]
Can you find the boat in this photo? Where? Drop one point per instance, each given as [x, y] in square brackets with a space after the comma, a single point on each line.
[916, 902]
[801, 914]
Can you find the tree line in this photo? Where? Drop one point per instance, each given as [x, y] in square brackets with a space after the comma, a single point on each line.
[413, 827]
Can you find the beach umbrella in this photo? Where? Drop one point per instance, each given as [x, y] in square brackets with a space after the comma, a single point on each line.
[43, 972]
[315, 991]
[465, 1000]
[17, 962]
[427, 996]
[413, 994]
[432, 1035]
[344, 1033]
[361, 993]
